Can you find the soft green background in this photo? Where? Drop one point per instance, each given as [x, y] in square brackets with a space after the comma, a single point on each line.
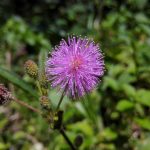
[116, 116]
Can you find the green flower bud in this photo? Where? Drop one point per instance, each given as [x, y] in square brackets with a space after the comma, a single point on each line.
[45, 103]
[31, 68]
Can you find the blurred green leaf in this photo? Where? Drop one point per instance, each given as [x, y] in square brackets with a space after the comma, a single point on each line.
[138, 3]
[3, 123]
[82, 126]
[111, 83]
[81, 108]
[115, 115]
[42, 59]
[141, 18]
[4, 146]
[107, 146]
[145, 28]
[110, 21]
[143, 97]
[18, 135]
[124, 105]
[108, 134]
[143, 144]
[16, 80]
[129, 90]
[143, 122]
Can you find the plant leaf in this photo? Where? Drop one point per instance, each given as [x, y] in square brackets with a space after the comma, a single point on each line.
[124, 105]
[16, 80]
[143, 97]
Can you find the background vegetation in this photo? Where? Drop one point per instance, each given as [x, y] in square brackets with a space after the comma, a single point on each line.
[116, 116]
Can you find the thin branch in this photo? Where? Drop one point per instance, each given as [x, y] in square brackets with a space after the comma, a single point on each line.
[39, 87]
[61, 99]
[61, 130]
[27, 105]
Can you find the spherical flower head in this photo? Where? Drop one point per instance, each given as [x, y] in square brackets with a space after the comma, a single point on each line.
[5, 95]
[75, 66]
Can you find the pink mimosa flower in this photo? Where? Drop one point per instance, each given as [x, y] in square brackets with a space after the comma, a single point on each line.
[75, 66]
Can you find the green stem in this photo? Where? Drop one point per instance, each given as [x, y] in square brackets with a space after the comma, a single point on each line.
[61, 99]
[39, 87]
[61, 130]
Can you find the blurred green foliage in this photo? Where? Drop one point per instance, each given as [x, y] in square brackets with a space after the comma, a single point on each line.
[113, 117]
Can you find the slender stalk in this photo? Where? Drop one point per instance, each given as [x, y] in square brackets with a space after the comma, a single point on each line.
[39, 87]
[27, 106]
[61, 99]
[61, 130]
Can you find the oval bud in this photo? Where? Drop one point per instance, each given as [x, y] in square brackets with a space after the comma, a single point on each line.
[31, 68]
[78, 140]
[44, 101]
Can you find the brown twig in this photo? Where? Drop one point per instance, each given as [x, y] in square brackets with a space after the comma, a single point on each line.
[27, 105]
[61, 130]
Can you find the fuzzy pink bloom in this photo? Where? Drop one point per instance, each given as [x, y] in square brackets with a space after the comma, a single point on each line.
[75, 66]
